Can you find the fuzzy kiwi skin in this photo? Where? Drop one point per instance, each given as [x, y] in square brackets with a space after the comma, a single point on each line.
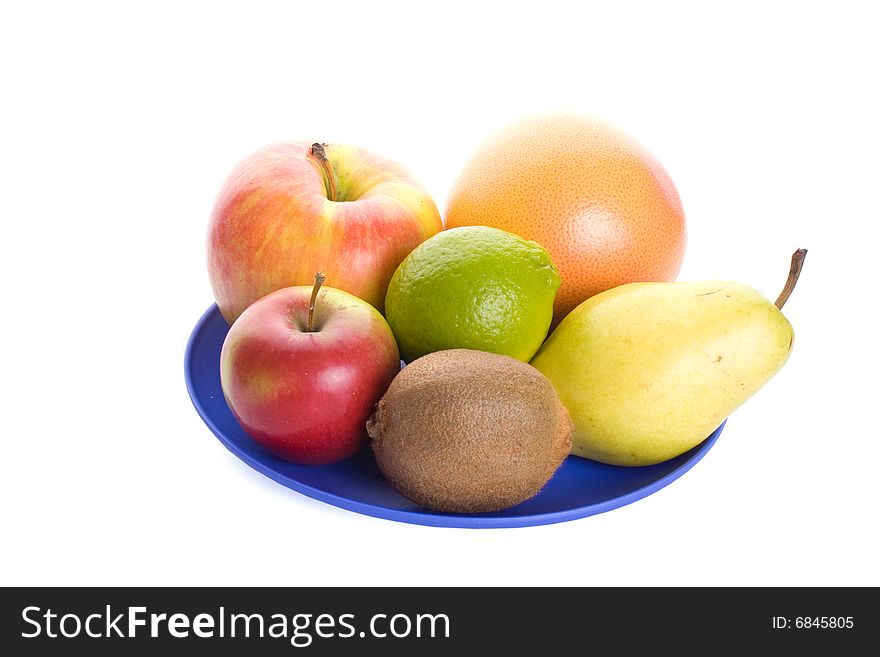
[467, 431]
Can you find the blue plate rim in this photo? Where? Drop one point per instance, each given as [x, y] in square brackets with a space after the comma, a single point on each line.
[428, 518]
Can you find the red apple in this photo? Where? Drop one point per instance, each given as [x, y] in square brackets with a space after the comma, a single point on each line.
[302, 371]
[290, 210]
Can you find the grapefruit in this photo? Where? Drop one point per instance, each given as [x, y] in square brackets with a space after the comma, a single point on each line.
[604, 208]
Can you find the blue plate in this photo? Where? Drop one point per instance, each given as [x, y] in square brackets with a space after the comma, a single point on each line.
[579, 488]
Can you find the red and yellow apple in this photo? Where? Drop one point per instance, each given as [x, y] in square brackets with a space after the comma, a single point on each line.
[302, 370]
[292, 209]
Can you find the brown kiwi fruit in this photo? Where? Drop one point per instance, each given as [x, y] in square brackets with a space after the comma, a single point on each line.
[467, 431]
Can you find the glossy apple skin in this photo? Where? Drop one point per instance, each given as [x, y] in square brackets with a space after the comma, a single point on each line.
[273, 225]
[306, 396]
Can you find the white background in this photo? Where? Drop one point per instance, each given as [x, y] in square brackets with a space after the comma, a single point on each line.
[120, 123]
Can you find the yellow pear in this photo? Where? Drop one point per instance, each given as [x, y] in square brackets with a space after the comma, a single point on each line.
[649, 370]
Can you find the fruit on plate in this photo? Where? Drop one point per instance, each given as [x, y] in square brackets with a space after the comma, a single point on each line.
[302, 369]
[467, 431]
[602, 205]
[648, 370]
[472, 288]
[290, 210]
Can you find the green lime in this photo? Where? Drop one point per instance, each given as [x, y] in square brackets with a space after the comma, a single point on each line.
[472, 287]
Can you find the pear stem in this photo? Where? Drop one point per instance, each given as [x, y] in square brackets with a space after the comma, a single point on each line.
[310, 322]
[797, 263]
[317, 151]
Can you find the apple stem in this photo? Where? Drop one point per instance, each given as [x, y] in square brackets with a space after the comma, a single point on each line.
[797, 263]
[317, 151]
[310, 322]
